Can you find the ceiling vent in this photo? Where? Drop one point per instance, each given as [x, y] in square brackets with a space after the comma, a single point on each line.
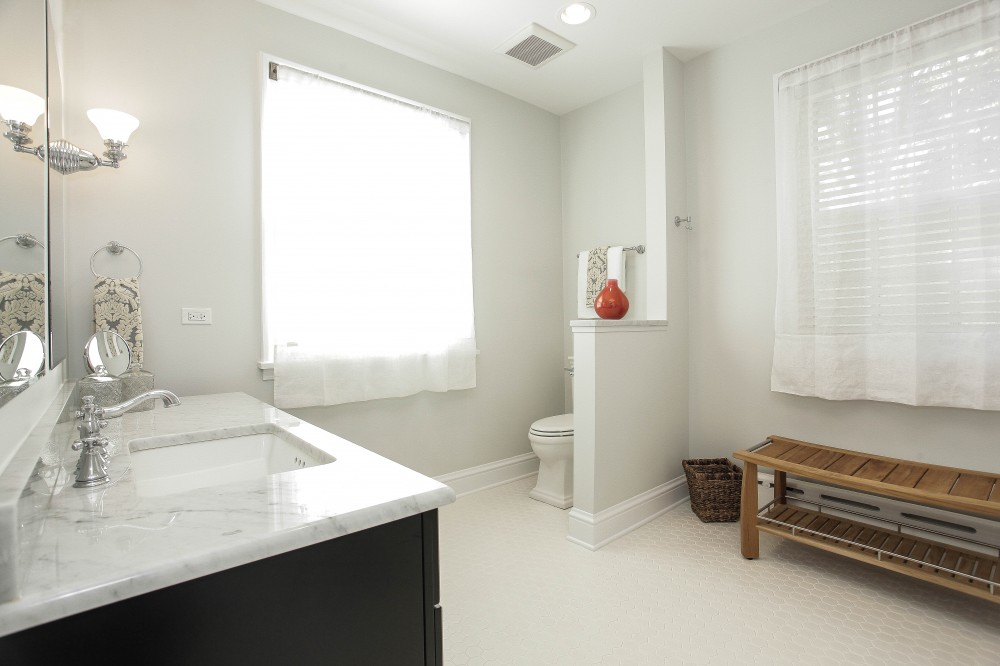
[535, 46]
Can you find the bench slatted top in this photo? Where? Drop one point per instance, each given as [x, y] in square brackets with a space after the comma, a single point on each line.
[959, 489]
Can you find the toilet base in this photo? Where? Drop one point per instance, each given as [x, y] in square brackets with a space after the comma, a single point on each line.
[558, 501]
[552, 441]
[555, 476]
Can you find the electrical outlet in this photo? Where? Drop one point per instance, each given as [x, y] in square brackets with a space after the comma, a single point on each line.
[201, 316]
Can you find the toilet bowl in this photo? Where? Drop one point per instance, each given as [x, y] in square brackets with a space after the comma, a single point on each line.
[552, 441]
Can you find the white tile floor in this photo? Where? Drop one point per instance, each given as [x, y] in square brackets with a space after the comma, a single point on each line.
[677, 591]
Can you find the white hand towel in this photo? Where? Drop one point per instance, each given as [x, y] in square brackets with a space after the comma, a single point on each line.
[617, 258]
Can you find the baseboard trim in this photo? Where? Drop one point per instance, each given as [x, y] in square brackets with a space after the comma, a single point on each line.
[490, 475]
[594, 531]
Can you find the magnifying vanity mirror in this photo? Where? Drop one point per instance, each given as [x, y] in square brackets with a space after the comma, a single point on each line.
[107, 353]
[113, 379]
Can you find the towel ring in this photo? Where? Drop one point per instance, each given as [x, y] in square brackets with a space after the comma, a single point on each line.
[26, 241]
[115, 248]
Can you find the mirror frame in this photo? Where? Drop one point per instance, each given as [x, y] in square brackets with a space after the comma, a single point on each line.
[57, 345]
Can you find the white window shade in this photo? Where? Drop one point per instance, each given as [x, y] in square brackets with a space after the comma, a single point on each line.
[366, 242]
[889, 218]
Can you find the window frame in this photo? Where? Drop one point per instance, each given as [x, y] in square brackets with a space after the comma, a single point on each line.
[265, 364]
[944, 353]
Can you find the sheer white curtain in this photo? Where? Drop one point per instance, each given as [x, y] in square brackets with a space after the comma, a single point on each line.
[366, 215]
[889, 218]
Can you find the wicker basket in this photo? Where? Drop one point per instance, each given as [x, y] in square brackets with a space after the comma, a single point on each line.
[714, 485]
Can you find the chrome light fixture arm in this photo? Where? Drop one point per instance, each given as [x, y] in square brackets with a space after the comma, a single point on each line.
[17, 132]
[115, 153]
[67, 158]
[64, 157]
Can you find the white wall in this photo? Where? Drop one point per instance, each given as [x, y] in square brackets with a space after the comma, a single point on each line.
[731, 195]
[186, 200]
[602, 194]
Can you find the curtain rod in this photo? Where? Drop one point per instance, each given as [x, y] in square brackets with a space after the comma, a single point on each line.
[954, 10]
[638, 249]
[272, 73]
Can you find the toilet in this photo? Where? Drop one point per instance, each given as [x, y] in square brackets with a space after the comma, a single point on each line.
[552, 441]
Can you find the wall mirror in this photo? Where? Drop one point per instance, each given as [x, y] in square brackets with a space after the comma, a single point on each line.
[28, 302]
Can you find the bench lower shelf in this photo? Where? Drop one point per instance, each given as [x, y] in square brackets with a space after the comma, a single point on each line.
[964, 570]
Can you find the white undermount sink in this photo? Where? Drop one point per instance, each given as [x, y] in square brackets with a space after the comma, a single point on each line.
[179, 463]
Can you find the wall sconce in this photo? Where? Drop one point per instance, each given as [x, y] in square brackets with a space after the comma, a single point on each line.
[20, 109]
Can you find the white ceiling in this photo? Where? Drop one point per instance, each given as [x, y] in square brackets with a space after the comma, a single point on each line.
[461, 36]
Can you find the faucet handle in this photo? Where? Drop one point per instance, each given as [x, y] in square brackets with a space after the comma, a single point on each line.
[90, 443]
[88, 407]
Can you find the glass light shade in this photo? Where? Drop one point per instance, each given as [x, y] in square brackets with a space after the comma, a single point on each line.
[113, 125]
[20, 105]
[577, 13]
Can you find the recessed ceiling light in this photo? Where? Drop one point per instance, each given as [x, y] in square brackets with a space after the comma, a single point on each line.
[577, 13]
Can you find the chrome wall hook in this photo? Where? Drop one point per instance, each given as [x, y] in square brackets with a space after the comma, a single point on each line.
[686, 220]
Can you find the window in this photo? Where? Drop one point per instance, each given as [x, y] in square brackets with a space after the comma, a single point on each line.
[367, 259]
[889, 217]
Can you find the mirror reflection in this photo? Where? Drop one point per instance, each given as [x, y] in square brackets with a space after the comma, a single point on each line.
[22, 285]
[22, 356]
[107, 353]
[22, 360]
[23, 279]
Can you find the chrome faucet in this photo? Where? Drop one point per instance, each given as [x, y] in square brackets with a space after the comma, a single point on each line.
[92, 469]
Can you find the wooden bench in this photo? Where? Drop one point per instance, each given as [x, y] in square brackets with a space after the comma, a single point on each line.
[974, 492]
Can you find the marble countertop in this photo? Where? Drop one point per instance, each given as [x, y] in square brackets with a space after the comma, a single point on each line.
[82, 548]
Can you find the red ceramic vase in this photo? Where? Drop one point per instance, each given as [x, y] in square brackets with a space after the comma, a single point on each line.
[611, 303]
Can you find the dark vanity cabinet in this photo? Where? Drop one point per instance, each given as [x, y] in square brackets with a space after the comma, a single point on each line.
[368, 598]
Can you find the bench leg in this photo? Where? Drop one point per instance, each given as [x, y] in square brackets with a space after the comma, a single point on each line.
[780, 488]
[749, 536]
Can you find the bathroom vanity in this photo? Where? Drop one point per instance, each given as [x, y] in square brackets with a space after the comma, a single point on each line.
[332, 561]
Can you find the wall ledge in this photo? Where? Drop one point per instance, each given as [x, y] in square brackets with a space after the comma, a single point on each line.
[617, 325]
